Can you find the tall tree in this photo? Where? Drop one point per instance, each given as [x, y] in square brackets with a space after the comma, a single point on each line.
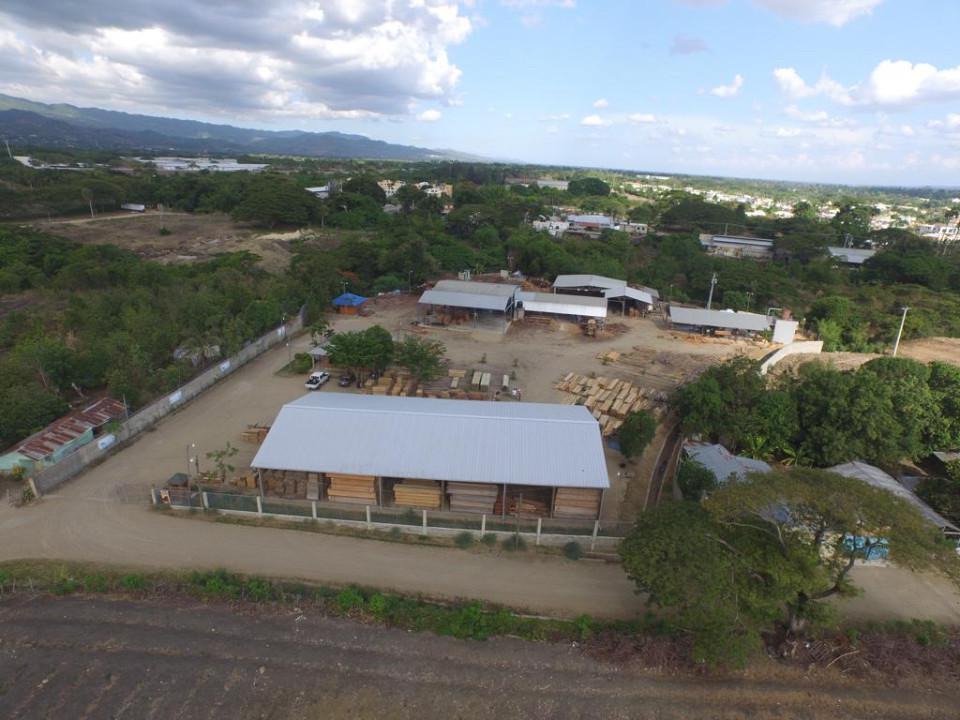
[421, 356]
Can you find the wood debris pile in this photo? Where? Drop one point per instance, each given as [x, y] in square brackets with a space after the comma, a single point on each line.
[610, 400]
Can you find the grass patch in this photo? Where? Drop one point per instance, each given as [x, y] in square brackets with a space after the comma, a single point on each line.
[514, 543]
[463, 540]
[573, 550]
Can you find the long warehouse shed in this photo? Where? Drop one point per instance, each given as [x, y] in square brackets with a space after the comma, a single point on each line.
[457, 301]
[461, 455]
[744, 322]
[611, 289]
[567, 305]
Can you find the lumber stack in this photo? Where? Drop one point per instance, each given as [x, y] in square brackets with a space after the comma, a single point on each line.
[577, 503]
[610, 400]
[527, 505]
[477, 498]
[356, 489]
[285, 483]
[255, 433]
[424, 494]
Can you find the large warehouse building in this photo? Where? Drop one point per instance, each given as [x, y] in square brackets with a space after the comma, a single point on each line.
[479, 304]
[732, 322]
[569, 307]
[456, 455]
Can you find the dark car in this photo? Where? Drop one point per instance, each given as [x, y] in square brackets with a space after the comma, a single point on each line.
[346, 380]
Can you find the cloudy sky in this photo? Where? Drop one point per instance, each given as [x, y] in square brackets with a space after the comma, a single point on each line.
[861, 91]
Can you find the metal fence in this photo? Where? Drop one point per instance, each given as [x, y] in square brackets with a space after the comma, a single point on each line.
[72, 465]
[600, 534]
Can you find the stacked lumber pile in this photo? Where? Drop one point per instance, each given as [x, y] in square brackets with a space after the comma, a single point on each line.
[472, 497]
[610, 400]
[609, 356]
[527, 503]
[356, 489]
[255, 433]
[424, 494]
[286, 483]
[577, 503]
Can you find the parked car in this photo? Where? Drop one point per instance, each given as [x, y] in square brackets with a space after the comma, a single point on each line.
[346, 380]
[316, 380]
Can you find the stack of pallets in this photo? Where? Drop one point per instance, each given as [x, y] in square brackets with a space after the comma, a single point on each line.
[424, 494]
[356, 489]
[255, 433]
[577, 503]
[472, 497]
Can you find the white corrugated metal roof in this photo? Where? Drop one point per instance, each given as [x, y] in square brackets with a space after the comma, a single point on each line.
[745, 241]
[591, 219]
[877, 478]
[853, 256]
[563, 304]
[729, 319]
[597, 281]
[433, 439]
[721, 462]
[470, 294]
[629, 292]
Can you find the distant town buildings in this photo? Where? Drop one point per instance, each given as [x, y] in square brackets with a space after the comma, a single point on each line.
[201, 164]
[737, 247]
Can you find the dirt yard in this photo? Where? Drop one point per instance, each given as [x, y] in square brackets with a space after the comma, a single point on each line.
[100, 658]
[193, 236]
[926, 350]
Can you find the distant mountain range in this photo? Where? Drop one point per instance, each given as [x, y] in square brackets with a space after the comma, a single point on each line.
[61, 126]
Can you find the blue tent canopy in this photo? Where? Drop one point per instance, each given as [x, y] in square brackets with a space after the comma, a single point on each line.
[349, 300]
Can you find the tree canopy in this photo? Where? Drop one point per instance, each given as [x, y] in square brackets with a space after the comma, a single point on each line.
[636, 433]
[421, 356]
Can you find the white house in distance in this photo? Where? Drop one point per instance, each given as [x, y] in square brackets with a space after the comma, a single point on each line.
[737, 247]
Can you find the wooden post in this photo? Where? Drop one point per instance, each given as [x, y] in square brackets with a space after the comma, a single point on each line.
[153, 495]
[539, 526]
[424, 530]
[379, 491]
[603, 496]
[503, 507]
[483, 525]
[593, 539]
[553, 503]
[259, 505]
[203, 500]
[260, 482]
[313, 509]
[368, 517]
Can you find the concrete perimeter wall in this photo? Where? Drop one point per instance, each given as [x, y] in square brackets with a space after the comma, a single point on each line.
[805, 347]
[53, 475]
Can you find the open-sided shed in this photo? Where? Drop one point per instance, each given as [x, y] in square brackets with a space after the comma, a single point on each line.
[566, 306]
[477, 303]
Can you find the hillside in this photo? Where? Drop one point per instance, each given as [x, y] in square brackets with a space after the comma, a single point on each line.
[31, 124]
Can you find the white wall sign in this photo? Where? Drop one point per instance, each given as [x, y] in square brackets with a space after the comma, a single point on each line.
[175, 397]
[106, 441]
[224, 366]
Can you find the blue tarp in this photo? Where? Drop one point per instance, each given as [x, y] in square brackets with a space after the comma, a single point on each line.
[349, 300]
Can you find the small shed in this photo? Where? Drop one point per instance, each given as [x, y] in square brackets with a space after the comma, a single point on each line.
[319, 356]
[349, 303]
[722, 463]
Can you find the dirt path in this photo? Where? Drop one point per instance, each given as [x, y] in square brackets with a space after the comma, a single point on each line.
[97, 658]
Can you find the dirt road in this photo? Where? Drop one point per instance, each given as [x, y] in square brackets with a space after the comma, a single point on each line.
[85, 521]
[97, 658]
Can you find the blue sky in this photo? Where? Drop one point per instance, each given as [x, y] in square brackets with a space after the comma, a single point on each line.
[857, 91]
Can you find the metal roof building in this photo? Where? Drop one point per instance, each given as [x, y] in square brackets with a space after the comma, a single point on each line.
[609, 288]
[471, 294]
[877, 478]
[721, 462]
[434, 439]
[576, 305]
[586, 281]
[723, 319]
[851, 256]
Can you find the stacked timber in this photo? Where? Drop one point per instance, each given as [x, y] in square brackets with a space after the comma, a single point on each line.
[472, 497]
[577, 503]
[255, 433]
[527, 503]
[356, 489]
[424, 494]
[285, 483]
[610, 400]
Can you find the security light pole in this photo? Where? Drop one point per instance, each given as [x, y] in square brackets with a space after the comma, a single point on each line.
[713, 284]
[903, 320]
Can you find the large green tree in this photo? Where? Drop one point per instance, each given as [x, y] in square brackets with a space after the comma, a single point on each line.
[421, 356]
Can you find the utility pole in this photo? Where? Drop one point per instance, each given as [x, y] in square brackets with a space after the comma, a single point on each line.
[7, 143]
[713, 284]
[903, 319]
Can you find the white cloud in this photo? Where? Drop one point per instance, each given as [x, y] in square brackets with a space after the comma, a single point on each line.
[831, 12]
[600, 104]
[246, 59]
[814, 116]
[429, 116]
[785, 132]
[951, 123]
[642, 118]
[892, 83]
[729, 90]
[552, 129]
[556, 117]
[687, 45]
[539, 3]
[594, 121]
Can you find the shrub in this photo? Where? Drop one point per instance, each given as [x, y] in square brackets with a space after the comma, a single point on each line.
[394, 533]
[514, 542]
[463, 540]
[96, 583]
[164, 232]
[573, 550]
[133, 581]
[349, 599]
[65, 586]
[218, 583]
[301, 364]
[377, 606]
[259, 590]
[489, 539]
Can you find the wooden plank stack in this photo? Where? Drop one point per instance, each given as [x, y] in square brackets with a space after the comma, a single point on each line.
[472, 497]
[286, 483]
[356, 489]
[610, 400]
[424, 494]
[577, 503]
[255, 433]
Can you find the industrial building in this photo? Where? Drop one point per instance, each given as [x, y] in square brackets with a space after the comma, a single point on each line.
[732, 322]
[855, 257]
[738, 247]
[589, 225]
[476, 304]
[456, 455]
[622, 295]
[570, 307]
